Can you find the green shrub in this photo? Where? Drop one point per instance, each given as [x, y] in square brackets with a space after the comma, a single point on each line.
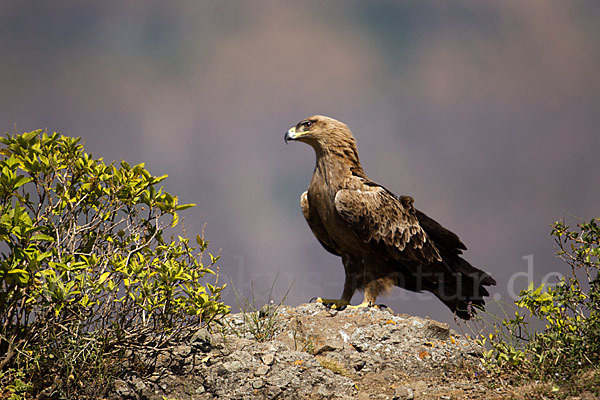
[85, 272]
[569, 343]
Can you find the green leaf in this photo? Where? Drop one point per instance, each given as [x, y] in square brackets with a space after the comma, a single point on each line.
[17, 271]
[30, 135]
[42, 237]
[184, 206]
[158, 179]
[20, 275]
[20, 181]
[103, 277]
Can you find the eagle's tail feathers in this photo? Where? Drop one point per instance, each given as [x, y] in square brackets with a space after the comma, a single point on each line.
[464, 288]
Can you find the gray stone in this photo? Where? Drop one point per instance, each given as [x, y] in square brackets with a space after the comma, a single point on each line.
[122, 389]
[330, 345]
[268, 359]
[258, 383]
[199, 390]
[261, 370]
[359, 364]
[201, 340]
[404, 393]
[233, 366]
[163, 360]
[437, 330]
[201, 335]
[137, 384]
[182, 351]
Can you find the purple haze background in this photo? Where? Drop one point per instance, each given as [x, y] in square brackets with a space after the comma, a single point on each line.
[487, 113]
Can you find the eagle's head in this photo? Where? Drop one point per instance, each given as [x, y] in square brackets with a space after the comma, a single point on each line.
[320, 132]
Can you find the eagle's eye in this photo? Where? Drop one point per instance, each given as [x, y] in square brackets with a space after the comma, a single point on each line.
[307, 124]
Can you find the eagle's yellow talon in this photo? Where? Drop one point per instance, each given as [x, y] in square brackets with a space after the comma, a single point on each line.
[335, 304]
[339, 304]
[369, 304]
[362, 305]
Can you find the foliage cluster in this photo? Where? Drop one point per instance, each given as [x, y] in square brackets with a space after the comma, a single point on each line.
[568, 346]
[85, 272]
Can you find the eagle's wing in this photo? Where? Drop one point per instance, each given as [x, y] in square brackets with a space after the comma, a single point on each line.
[440, 235]
[386, 222]
[316, 225]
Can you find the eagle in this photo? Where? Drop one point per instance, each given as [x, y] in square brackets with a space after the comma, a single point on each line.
[383, 240]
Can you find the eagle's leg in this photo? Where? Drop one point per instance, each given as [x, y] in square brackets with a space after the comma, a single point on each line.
[349, 289]
[372, 290]
[368, 301]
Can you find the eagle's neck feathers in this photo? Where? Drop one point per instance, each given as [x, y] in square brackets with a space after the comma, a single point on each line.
[336, 164]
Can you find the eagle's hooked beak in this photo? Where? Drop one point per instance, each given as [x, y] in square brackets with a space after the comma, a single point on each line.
[293, 134]
[290, 134]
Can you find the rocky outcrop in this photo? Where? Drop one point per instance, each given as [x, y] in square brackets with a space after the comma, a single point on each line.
[314, 353]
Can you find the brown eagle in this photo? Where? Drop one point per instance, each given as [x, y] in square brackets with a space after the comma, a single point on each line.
[382, 238]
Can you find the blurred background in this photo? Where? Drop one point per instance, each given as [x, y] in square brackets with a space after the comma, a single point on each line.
[487, 113]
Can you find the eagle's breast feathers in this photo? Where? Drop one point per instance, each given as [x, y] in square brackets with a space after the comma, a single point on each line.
[316, 225]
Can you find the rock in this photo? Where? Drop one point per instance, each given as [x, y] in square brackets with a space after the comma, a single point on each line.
[437, 330]
[329, 345]
[182, 351]
[266, 311]
[232, 366]
[201, 335]
[201, 340]
[138, 384]
[315, 354]
[404, 393]
[122, 389]
[261, 370]
[359, 364]
[163, 360]
[268, 359]
[258, 383]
